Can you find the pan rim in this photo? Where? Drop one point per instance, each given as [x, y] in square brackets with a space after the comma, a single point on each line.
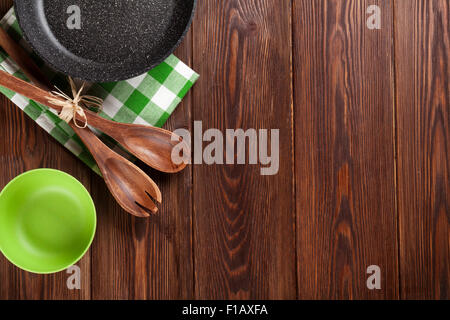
[110, 76]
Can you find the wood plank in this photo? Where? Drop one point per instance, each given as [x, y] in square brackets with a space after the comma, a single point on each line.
[25, 146]
[147, 258]
[244, 222]
[422, 36]
[344, 147]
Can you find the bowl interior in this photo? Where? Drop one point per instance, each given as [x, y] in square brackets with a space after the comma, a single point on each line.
[47, 221]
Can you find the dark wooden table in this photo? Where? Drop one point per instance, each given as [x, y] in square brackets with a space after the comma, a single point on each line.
[364, 179]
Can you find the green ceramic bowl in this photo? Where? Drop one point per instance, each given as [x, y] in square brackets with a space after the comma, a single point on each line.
[47, 221]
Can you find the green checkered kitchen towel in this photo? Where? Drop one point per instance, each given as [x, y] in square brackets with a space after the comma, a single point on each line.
[147, 99]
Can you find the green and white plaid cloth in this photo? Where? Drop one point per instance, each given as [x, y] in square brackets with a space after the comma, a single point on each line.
[147, 99]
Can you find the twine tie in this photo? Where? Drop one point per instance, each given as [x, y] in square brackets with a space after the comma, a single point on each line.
[71, 107]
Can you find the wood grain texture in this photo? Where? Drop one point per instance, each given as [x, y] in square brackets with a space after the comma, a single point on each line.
[364, 166]
[423, 113]
[151, 258]
[346, 218]
[244, 222]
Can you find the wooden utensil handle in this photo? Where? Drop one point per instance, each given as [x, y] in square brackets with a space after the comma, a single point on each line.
[23, 60]
[41, 96]
[27, 89]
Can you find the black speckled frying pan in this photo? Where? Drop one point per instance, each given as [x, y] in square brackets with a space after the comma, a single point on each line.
[104, 40]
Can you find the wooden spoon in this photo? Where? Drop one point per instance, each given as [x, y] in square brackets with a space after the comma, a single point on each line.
[150, 144]
[129, 185]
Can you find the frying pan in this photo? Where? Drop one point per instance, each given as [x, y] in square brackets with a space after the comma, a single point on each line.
[104, 40]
